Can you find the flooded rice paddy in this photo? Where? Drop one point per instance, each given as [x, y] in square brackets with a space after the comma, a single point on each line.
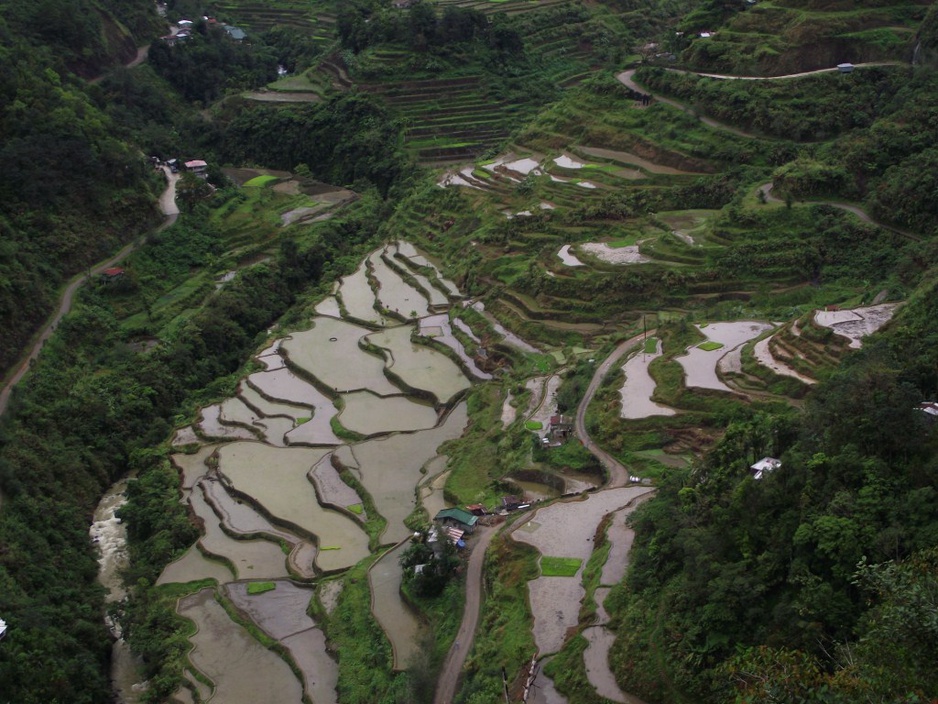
[268, 489]
[639, 387]
[396, 618]
[274, 489]
[700, 365]
[241, 669]
[857, 323]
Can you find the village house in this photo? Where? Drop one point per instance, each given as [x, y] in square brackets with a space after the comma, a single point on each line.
[456, 518]
[930, 409]
[112, 274]
[560, 428]
[236, 33]
[764, 466]
[198, 168]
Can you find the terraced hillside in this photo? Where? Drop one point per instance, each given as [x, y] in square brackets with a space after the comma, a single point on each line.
[774, 37]
[318, 21]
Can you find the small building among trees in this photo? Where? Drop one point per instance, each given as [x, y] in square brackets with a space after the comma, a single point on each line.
[457, 518]
[764, 466]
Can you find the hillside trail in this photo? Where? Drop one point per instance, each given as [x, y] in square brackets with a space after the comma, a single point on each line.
[170, 211]
[618, 476]
[452, 667]
[627, 79]
[766, 190]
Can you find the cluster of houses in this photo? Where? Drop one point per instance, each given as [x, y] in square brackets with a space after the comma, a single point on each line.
[454, 523]
[184, 28]
[197, 167]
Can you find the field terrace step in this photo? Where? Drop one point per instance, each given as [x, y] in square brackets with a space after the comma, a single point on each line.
[430, 84]
[466, 135]
[337, 74]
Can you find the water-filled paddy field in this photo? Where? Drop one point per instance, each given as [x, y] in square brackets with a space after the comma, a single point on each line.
[271, 489]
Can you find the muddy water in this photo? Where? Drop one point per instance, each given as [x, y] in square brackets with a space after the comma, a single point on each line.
[638, 388]
[565, 529]
[565, 161]
[211, 426]
[418, 366]
[110, 536]
[275, 430]
[567, 257]
[192, 467]
[276, 479]
[700, 365]
[534, 491]
[268, 408]
[509, 338]
[396, 294]
[390, 469]
[629, 158]
[357, 296]
[440, 329]
[407, 250]
[596, 659]
[244, 672]
[431, 492]
[281, 613]
[239, 516]
[330, 487]
[234, 410]
[437, 297]
[282, 385]
[368, 414]
[329, 306]
[398, 621]
[330, 352]
[257, 559]
[193, 566]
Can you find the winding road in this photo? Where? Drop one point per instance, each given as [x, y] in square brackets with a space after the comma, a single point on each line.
[766, 190]
[168, 208]
[618, 476]
[627, 78]
[452, 667]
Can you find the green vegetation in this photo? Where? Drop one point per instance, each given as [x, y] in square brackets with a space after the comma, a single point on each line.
[560, 566]
[533, 425]
[817, 576]
[710, 346]
[260, 587]
[260, 181]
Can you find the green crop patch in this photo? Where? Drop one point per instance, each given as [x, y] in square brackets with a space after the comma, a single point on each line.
[260, 587]
[710, 346]
[261, 181]
[533, 425]
[560, 566]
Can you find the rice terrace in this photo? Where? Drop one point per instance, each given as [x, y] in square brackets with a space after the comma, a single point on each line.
[501, 350]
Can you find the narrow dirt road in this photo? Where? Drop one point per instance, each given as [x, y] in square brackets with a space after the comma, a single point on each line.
[449, 675]
[168, 208]
[618, 474]
[627, 79]
[766, 190]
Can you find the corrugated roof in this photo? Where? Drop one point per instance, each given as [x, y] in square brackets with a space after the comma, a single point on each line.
[457, 514]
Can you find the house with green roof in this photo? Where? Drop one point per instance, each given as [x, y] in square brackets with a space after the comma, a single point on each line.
[458, 517]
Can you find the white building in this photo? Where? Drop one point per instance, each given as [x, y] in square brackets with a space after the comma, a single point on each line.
[764, 466]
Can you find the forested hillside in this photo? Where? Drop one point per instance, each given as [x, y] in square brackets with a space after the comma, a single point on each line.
[508, 141]
[73, 191]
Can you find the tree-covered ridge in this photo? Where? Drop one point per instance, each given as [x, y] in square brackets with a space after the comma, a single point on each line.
[73, 190]
[733, 575]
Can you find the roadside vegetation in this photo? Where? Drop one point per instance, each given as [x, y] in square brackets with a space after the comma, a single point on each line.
[816, 576]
